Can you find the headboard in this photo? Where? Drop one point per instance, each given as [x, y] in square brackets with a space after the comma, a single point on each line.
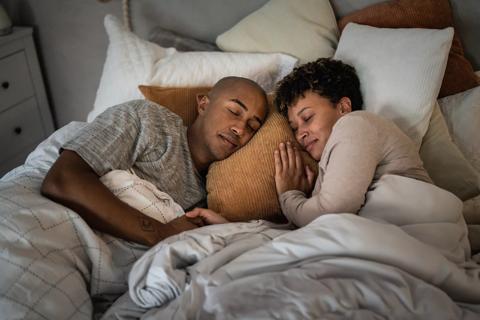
[204, 20]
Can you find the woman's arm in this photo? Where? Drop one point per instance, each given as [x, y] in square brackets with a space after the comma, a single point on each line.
[73, 183]
[352, 156]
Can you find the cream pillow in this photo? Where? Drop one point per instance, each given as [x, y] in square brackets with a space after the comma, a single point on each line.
[462, 113]
[307, 31]
[132, 61]
[142, 195]
[400, 71]
[444, 162]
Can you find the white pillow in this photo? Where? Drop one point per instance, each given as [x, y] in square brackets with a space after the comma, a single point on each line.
[462, 113]
[307, 31]
[142, 195]
[400, 71]
[132, 61]
[444, 162]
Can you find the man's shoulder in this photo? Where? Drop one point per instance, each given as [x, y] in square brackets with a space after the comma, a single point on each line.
[146, 111]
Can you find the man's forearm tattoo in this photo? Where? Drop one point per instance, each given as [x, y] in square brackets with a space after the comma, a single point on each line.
[147, 225]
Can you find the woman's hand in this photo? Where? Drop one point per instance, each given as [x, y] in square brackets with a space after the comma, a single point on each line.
[205, 216]
[290, 172]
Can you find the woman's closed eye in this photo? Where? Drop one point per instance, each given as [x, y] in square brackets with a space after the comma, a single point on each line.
[234, 112]
[307, 118]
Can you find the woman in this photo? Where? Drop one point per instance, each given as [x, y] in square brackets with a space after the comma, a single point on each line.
[322, 101]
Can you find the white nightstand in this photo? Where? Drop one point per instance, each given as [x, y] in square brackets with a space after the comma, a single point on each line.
[25, 117]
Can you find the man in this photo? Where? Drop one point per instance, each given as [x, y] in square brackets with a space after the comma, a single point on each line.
[153, 142]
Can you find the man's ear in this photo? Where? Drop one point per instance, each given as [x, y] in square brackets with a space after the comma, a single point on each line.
[344, 106]
[202, 102]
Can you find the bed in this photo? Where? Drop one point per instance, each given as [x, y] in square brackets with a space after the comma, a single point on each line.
[401, 257]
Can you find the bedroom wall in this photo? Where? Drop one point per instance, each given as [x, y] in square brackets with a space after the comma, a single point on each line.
[71, 41]
[71, 45]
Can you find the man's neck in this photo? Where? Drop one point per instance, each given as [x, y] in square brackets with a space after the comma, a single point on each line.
[196, 150]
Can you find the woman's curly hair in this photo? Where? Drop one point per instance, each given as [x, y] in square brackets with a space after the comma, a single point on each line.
[331, 79]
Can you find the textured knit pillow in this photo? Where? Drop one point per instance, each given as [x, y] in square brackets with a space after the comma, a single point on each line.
[241, 187]
[433, 14]
[400, 71]
[307, 31]
[132, 61]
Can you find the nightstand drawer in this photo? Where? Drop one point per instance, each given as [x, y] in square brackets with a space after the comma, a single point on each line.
[15, 82]
[19, 128]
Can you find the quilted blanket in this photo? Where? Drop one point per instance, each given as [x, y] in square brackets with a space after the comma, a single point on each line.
[52, 265]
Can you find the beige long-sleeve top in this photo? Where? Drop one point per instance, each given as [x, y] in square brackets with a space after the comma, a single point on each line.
[361, 148]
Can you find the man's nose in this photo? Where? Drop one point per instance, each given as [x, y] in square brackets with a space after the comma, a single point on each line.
[238, 128]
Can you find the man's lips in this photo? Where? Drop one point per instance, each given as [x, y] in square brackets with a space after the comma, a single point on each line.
[232, 141]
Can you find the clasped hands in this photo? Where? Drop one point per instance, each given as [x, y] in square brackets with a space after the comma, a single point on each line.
[290, 171]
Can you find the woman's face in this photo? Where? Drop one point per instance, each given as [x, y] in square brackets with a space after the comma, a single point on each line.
[312, 118]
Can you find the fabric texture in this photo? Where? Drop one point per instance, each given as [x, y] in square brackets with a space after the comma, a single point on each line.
[462, 114]
[400, 89]
[307, 31]
[132, 61]
[433, 14]
[361, 149]
[147, 138]
[142, 195]
[444, 162]
[180, 100]
[241, 187]
[52, 262]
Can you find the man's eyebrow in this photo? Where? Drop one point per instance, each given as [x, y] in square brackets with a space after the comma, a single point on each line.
[241, 104]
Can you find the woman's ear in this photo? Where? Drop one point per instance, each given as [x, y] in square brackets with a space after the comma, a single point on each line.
[344, 106]
[202, 102]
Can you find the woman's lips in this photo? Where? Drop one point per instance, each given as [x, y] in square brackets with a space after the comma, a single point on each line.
[310, 145]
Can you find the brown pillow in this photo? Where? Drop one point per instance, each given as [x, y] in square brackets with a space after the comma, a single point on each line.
[241, 187]
[433, 14]
[182, 101]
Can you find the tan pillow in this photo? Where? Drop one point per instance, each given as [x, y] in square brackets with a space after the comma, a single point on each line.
[444, 162]
[433, 14]
[182, 101]
[241, 187]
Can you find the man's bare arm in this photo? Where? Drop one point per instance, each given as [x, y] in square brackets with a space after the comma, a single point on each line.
[73, 183]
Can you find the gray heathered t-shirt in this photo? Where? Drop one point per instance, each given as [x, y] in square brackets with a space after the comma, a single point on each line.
[147, 138]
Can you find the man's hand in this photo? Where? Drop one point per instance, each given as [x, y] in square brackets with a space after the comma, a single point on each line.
[206, 216]
[290, 172]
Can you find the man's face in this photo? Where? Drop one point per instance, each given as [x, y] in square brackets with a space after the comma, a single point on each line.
[231, 119]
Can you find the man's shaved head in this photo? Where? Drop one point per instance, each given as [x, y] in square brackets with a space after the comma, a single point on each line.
[229, 83]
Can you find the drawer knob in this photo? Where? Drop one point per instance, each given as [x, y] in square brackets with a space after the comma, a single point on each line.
[5, 85]
[17, 130]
